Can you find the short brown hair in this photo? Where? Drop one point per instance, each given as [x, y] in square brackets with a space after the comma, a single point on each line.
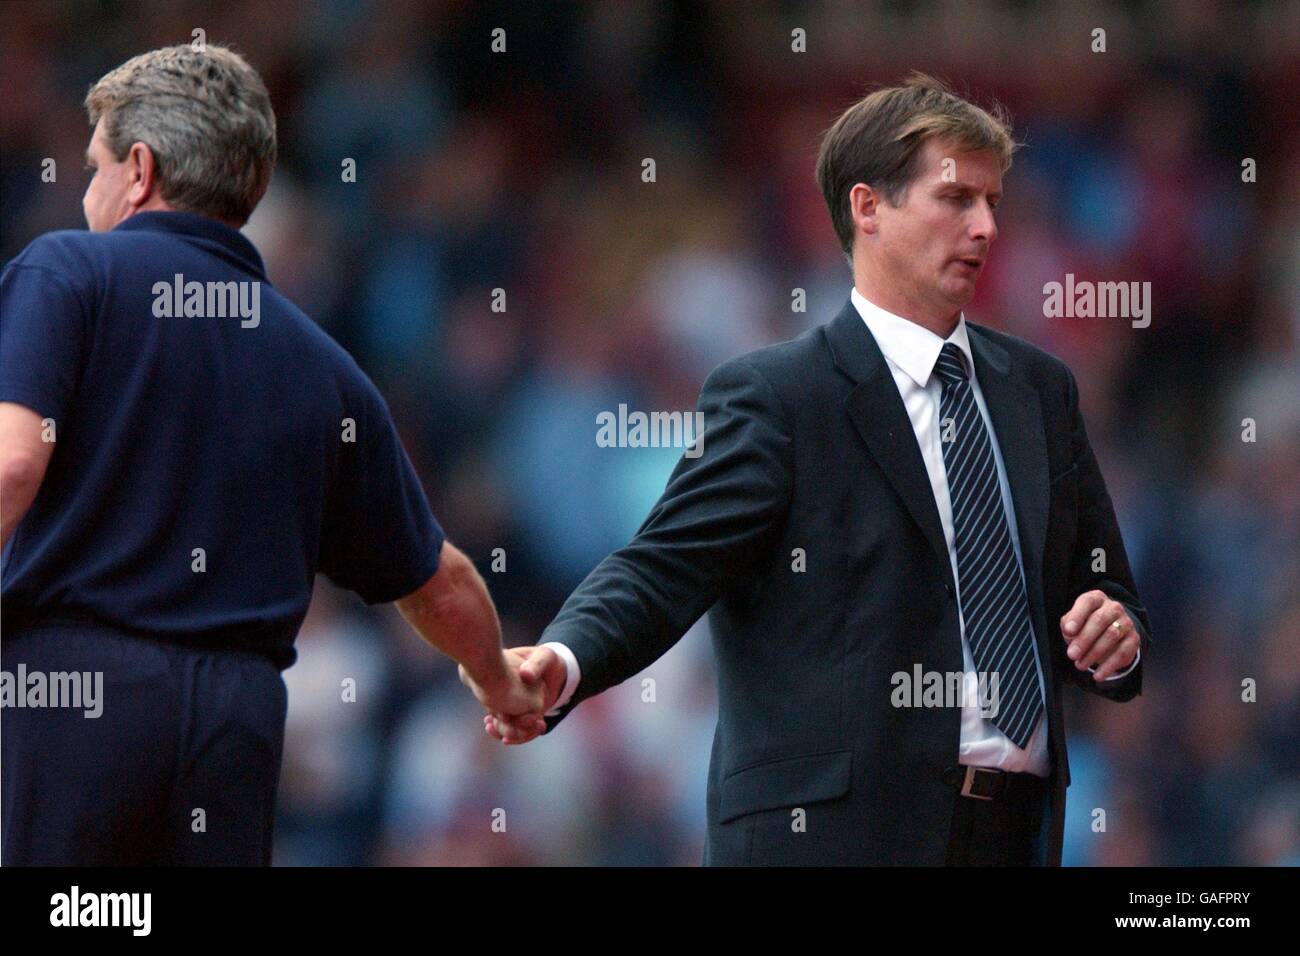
[206, 116]
[878, 140]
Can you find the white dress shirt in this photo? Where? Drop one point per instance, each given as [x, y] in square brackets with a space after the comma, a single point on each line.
[911, 352]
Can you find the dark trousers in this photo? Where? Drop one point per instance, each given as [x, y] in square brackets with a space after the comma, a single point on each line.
[180, 768]
[1006, 831]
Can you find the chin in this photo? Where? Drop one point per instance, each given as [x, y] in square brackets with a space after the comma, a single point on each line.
[960, 296]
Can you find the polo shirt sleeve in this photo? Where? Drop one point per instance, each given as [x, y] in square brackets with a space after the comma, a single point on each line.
[380, 538]
[44, 328]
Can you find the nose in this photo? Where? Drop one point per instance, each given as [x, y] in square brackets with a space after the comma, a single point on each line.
[984, 229]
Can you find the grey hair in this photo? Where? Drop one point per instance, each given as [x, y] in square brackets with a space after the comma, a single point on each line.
[207, 118]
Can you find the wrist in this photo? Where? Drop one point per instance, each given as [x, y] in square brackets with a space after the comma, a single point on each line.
[491, 674]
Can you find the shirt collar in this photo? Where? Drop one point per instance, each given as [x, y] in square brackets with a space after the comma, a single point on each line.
[911, 347]
[223, 240]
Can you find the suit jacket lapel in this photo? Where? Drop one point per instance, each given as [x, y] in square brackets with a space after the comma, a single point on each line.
[1018, 423]
[877, 412]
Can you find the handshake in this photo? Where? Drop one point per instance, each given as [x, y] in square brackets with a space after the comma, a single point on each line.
[518, 692]
[454, 612]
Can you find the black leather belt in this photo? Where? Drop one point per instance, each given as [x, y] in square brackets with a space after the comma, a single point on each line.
[987, 783]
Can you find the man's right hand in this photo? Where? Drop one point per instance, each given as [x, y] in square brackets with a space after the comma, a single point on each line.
[502, 690]
[539, 668]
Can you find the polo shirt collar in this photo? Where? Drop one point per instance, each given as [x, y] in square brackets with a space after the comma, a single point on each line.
[229, 243]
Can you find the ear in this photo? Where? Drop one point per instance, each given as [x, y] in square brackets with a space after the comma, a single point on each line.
[864, 208]
[142, 174]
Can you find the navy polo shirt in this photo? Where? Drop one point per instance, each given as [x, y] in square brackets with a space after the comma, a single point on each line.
[214, 448]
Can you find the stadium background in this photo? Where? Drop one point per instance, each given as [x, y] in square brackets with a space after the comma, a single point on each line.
[522, 171]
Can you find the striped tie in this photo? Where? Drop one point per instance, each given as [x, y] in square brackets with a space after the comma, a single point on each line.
[989, 584]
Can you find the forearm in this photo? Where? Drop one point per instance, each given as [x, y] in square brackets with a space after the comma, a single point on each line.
[17, 492]
[453, 612]
[24, 456]
[629, 612]
[718, 516]
[1100, 562]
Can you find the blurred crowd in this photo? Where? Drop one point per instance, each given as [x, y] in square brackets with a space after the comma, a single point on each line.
[522, 171]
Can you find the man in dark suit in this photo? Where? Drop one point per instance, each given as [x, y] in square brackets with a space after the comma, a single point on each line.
[887, 501]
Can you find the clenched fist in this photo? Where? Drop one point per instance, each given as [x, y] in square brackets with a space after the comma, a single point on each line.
[1099, 631]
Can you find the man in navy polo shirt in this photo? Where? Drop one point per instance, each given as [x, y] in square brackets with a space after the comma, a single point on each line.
[181, 451]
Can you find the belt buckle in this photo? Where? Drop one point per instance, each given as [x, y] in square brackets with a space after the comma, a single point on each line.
[970, 779]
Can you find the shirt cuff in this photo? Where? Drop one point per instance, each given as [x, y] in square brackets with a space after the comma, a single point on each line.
[573, 674]
[1122, 674]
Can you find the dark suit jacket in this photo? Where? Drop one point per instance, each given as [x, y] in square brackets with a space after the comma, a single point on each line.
[807, 446]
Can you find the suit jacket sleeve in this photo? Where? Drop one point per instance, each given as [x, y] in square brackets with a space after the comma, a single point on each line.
[1098, 528]
[719, 514]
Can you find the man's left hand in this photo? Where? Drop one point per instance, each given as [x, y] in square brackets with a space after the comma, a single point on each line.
[1099, 631]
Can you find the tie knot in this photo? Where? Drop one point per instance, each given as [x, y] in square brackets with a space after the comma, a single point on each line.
[951, 365]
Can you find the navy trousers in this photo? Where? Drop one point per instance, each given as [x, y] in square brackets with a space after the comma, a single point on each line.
[1007, 831]
[179, 768]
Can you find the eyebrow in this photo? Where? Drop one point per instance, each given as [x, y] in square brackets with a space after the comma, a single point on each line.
[965, 188]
